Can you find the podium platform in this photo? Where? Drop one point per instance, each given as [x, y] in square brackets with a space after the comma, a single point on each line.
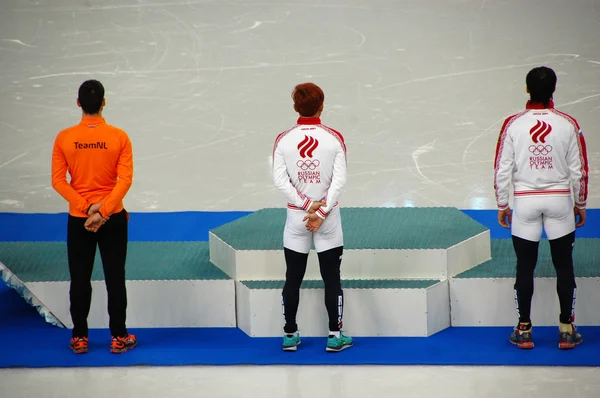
[395, 268]
[406, 272]
[169, 284]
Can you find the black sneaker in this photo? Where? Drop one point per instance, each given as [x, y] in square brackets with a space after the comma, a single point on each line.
[521, 336]
[568, 341]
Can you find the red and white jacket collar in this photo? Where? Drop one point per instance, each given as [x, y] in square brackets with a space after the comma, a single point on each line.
[539, 105]
[309, 120]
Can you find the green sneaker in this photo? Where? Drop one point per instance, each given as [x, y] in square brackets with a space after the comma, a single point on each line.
[337, 344]
[291, 342]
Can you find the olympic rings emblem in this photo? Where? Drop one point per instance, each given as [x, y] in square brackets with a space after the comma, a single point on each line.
[308, 164]
[542, 150]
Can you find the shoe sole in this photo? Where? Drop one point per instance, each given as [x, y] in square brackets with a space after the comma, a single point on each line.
[524, 346]
[124, 350]
[79, 350]
[293, 348]
[568, 346]
[342, 348]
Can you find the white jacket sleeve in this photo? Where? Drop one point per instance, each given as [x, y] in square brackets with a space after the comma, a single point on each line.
[282, 181]
[577, 161]
[337, 183]
[503, 168]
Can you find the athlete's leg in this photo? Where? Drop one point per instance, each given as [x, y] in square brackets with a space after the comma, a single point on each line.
[329, 241]
[329, 264]
[112, 242]
[526, 234]
[329, 244]
[295, 270]
[559, 223]
[113, 238]
[527, 254]
[81, 251]
[297, 242]
[562, 258]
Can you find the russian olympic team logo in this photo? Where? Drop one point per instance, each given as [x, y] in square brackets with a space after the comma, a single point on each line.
[540, 131]
[541, 159]
[540, 150]
[307, 146]
[308, 164]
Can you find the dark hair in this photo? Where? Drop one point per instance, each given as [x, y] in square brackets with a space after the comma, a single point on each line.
[91, 94]
[308, 98]
[541, 82]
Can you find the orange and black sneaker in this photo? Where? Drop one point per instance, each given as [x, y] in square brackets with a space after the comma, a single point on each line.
[568, 340]
[120, 345]
[521, 336]
[79, 345]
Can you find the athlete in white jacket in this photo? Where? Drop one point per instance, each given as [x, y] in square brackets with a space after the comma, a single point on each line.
[542, 152]
[309, 169]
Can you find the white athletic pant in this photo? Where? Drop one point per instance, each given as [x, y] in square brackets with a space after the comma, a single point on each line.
[297, 238]
[552, 213]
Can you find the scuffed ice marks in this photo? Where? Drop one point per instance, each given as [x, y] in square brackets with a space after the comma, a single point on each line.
[11, 203]
[203, 87]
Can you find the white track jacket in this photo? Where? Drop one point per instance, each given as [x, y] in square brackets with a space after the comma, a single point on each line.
[542, 152]
[309, 165]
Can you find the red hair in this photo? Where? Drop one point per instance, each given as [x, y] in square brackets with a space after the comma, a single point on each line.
[308, 98]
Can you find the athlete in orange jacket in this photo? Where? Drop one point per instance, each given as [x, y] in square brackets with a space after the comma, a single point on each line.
[99, 160]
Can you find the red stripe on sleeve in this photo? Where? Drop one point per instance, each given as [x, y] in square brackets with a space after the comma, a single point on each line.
[501, 138]
[583, 189]
[499, 146]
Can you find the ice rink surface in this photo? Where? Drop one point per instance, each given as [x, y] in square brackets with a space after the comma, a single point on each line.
[419, 88]
[305, 382]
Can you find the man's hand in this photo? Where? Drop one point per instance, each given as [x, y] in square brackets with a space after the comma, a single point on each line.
[503, 216]
[315, 206]
[95, 208]
[581, 214]
[94, 223]
[314, 222]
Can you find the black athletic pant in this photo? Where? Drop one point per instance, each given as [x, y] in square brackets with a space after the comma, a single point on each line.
[329, 264]
[112, 240]
[562, 257]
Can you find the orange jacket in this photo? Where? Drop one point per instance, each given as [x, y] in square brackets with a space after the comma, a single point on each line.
[99, 159]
